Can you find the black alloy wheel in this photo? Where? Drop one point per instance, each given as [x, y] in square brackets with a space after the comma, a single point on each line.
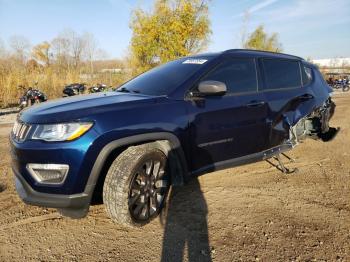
[148, 187]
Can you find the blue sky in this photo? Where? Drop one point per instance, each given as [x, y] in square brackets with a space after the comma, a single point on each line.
[308, 28]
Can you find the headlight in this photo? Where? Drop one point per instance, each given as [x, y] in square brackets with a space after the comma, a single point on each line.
[61, 132]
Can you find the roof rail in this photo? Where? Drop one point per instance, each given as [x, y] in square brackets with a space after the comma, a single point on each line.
[261, 51]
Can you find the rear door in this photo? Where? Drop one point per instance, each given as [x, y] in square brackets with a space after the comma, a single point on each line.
[285, 95]
[233, 125]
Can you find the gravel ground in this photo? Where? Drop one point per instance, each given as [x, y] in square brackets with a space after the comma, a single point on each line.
[7, 118]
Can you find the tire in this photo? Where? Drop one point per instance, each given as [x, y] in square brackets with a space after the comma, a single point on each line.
[136, 185]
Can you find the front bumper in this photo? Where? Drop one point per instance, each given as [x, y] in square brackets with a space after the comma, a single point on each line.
[32, 197]
[74, 206]
[73, 196]
[78, 155]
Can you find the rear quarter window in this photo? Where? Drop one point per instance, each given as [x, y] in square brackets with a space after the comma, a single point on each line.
[306, 73]
[281, 74]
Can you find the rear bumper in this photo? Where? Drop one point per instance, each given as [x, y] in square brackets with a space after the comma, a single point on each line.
[32, 197]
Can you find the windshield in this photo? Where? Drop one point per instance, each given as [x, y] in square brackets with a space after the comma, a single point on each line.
[164, 79]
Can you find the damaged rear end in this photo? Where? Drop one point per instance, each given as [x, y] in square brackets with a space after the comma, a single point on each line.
[315, 125]
[304, 112]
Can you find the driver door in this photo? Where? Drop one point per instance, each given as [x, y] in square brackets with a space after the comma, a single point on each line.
[232, 125]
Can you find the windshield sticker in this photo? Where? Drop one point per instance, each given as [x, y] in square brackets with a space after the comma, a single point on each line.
[195, 61]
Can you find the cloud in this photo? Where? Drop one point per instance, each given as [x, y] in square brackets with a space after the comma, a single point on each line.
[299, 16]
[260, 6]
[308, 9]
[308, 28]
[255, 8]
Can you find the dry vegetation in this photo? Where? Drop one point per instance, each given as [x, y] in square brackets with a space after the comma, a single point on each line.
[68, 58]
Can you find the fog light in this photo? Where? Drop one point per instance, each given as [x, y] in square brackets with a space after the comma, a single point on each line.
[48, 173]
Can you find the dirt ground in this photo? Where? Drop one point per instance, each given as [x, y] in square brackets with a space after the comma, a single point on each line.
[250, 213]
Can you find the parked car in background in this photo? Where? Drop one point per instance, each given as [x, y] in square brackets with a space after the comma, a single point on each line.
[180, 120]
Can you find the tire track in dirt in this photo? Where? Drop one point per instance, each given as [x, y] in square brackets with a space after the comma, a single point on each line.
[31, 220]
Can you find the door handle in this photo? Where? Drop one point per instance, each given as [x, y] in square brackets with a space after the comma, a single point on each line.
[255, 103]
[305, 97]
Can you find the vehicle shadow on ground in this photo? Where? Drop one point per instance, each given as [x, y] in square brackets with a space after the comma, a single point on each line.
[185, 225]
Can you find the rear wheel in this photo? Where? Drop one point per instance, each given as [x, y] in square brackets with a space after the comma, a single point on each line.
[136, 185]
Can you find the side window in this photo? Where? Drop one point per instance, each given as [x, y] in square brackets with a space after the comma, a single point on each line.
[281, 74]
[306, 74]
[238, 74]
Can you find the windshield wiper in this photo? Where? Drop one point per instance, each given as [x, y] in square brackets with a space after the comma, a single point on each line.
[125, 90]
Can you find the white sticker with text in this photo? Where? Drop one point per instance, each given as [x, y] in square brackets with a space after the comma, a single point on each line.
[195, 61]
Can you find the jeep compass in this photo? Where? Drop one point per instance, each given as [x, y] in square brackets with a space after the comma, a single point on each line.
[182, 119]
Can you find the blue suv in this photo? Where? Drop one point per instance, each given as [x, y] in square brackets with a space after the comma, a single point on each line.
[185, 118]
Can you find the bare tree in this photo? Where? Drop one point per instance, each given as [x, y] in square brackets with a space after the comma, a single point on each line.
[20, 46]
[68, 48]
[60, 48]
[90, 49]
[76, 44]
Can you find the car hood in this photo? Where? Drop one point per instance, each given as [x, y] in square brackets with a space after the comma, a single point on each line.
[81, 107]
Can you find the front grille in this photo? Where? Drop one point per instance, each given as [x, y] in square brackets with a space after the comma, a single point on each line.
[20, 131]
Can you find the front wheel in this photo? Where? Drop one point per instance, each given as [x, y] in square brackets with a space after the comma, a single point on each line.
[136, 185]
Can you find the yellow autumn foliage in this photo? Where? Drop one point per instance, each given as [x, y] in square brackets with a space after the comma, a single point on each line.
[260, 40]
[174, 28]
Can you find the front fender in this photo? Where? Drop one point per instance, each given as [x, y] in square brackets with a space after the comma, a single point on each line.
[172, 148]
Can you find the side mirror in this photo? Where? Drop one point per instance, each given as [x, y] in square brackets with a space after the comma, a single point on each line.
[212, 88]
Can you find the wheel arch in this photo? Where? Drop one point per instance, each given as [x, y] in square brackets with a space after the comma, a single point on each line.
[167, 142]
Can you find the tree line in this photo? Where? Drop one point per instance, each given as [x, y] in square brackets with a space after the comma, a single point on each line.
[69, 57]
[68, 50]
[174, 28]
